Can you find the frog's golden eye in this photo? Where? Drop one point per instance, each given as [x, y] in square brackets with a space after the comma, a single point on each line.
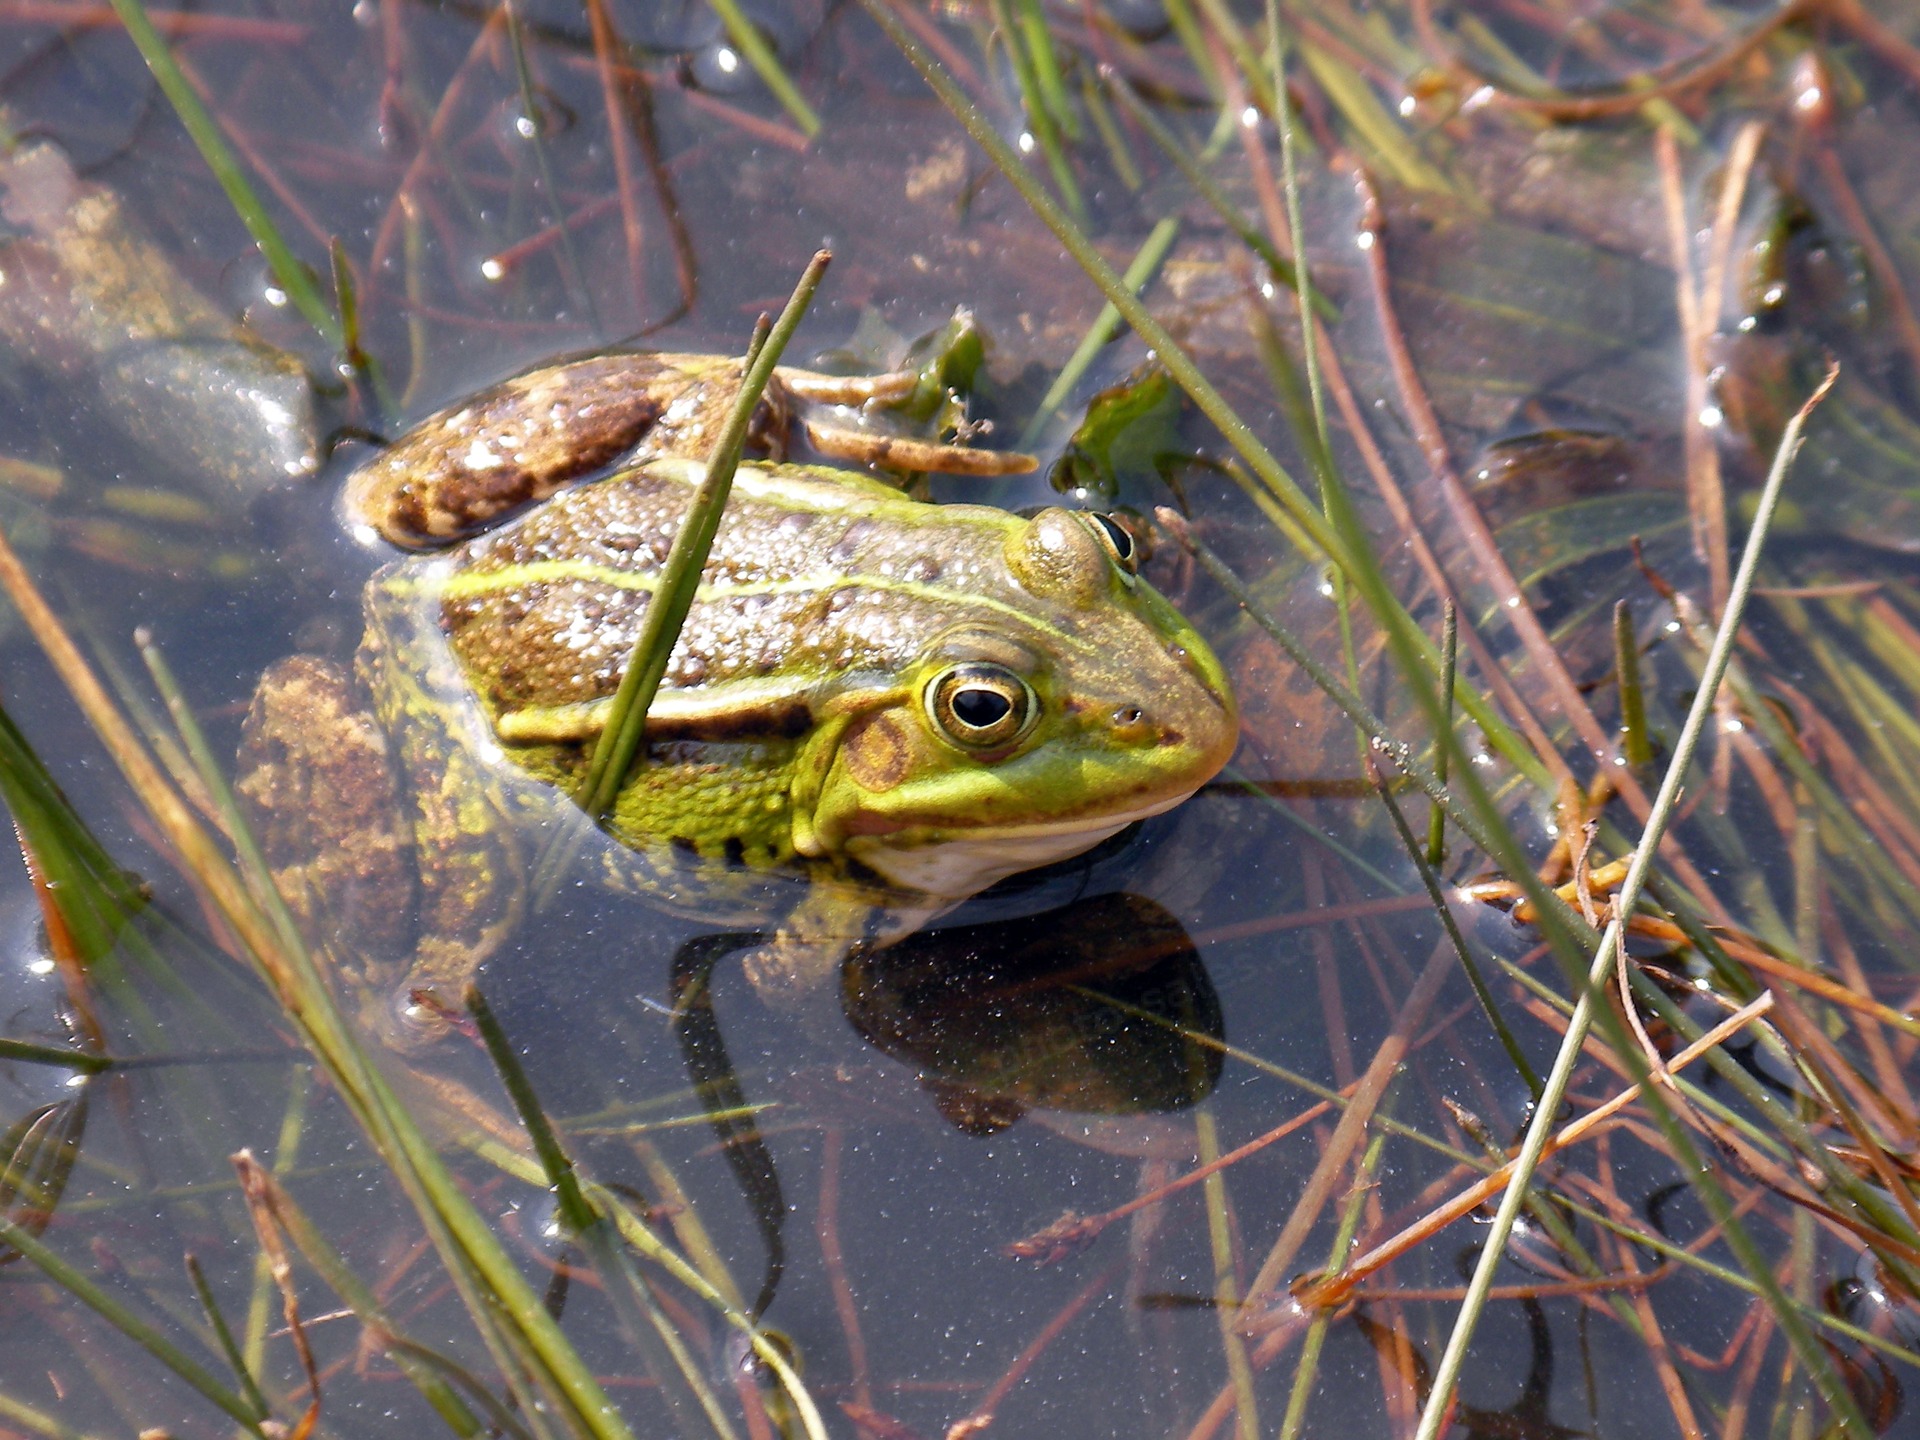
[1118, 541]
[981, 706]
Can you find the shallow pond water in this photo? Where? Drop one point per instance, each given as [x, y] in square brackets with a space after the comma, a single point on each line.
[1526, 392]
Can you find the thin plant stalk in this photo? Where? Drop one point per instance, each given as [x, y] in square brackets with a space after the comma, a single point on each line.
[1610, 952]
[291, 273]
[751, 43]
[1206, 187]
[1045, 133]
[1469, 967]
[683, 1387]
[1633, 699]
[1449, 675]
[39, 1422]
[1309, 1365]
[223, 1336]
[1318, 444]
[1180, 16]
[79, 1061]
[1226, 1287]
[1297, 232]
[1046, 68]
[1103, 123]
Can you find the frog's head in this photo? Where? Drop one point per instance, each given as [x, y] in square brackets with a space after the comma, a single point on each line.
[1026, 733]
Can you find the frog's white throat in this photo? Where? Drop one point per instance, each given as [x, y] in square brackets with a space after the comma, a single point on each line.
[953, 870]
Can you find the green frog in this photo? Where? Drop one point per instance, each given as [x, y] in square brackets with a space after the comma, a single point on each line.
[877, 707]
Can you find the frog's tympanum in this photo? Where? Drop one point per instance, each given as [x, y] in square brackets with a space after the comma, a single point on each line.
[877, 706]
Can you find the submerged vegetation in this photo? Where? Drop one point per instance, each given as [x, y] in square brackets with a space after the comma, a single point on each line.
[1523, 398]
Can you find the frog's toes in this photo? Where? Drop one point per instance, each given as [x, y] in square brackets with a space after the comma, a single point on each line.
[411, 1022]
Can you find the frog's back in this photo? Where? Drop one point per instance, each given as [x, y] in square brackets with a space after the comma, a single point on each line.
[813, 577]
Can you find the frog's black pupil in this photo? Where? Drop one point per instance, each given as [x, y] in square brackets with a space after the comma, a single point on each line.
[980, 709]
[1117, 534]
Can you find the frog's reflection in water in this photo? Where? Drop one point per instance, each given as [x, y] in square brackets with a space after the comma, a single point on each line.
[1101, 1006]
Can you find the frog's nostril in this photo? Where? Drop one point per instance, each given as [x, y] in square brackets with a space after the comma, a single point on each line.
[1127, 717]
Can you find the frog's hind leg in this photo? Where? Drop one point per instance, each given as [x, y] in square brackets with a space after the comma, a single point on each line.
[729, 1110]
[318, 788]
[818, 389]
[865, 446]
[899, 452]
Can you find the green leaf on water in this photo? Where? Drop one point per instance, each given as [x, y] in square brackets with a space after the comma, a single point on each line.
[1132, 430]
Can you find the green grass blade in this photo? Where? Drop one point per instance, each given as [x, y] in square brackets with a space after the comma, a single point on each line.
[1195, 174]
[675, 1370]
[751, 43]
[289, 271]
[626, 719]
[1040, 121]
[1145, 263]
[224, 1336]
[39, 1422]
[1468, 965]
[1047, 69]
[1449, 677]
[136, 1329]
[28, 1053]
[1633, 700]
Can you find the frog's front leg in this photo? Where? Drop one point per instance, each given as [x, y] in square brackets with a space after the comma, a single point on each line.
[796, 970]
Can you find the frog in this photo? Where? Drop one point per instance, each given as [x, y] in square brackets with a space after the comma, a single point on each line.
[877, 707]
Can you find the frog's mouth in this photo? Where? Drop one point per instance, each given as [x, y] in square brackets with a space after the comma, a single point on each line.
[964, 865]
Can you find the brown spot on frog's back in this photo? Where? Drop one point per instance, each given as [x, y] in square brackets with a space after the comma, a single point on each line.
[459, 471]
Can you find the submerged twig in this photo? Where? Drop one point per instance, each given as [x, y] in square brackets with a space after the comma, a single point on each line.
[1335, 1289]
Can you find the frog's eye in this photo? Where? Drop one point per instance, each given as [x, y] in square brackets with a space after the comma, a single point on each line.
[981, 706]
[1118, 541]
